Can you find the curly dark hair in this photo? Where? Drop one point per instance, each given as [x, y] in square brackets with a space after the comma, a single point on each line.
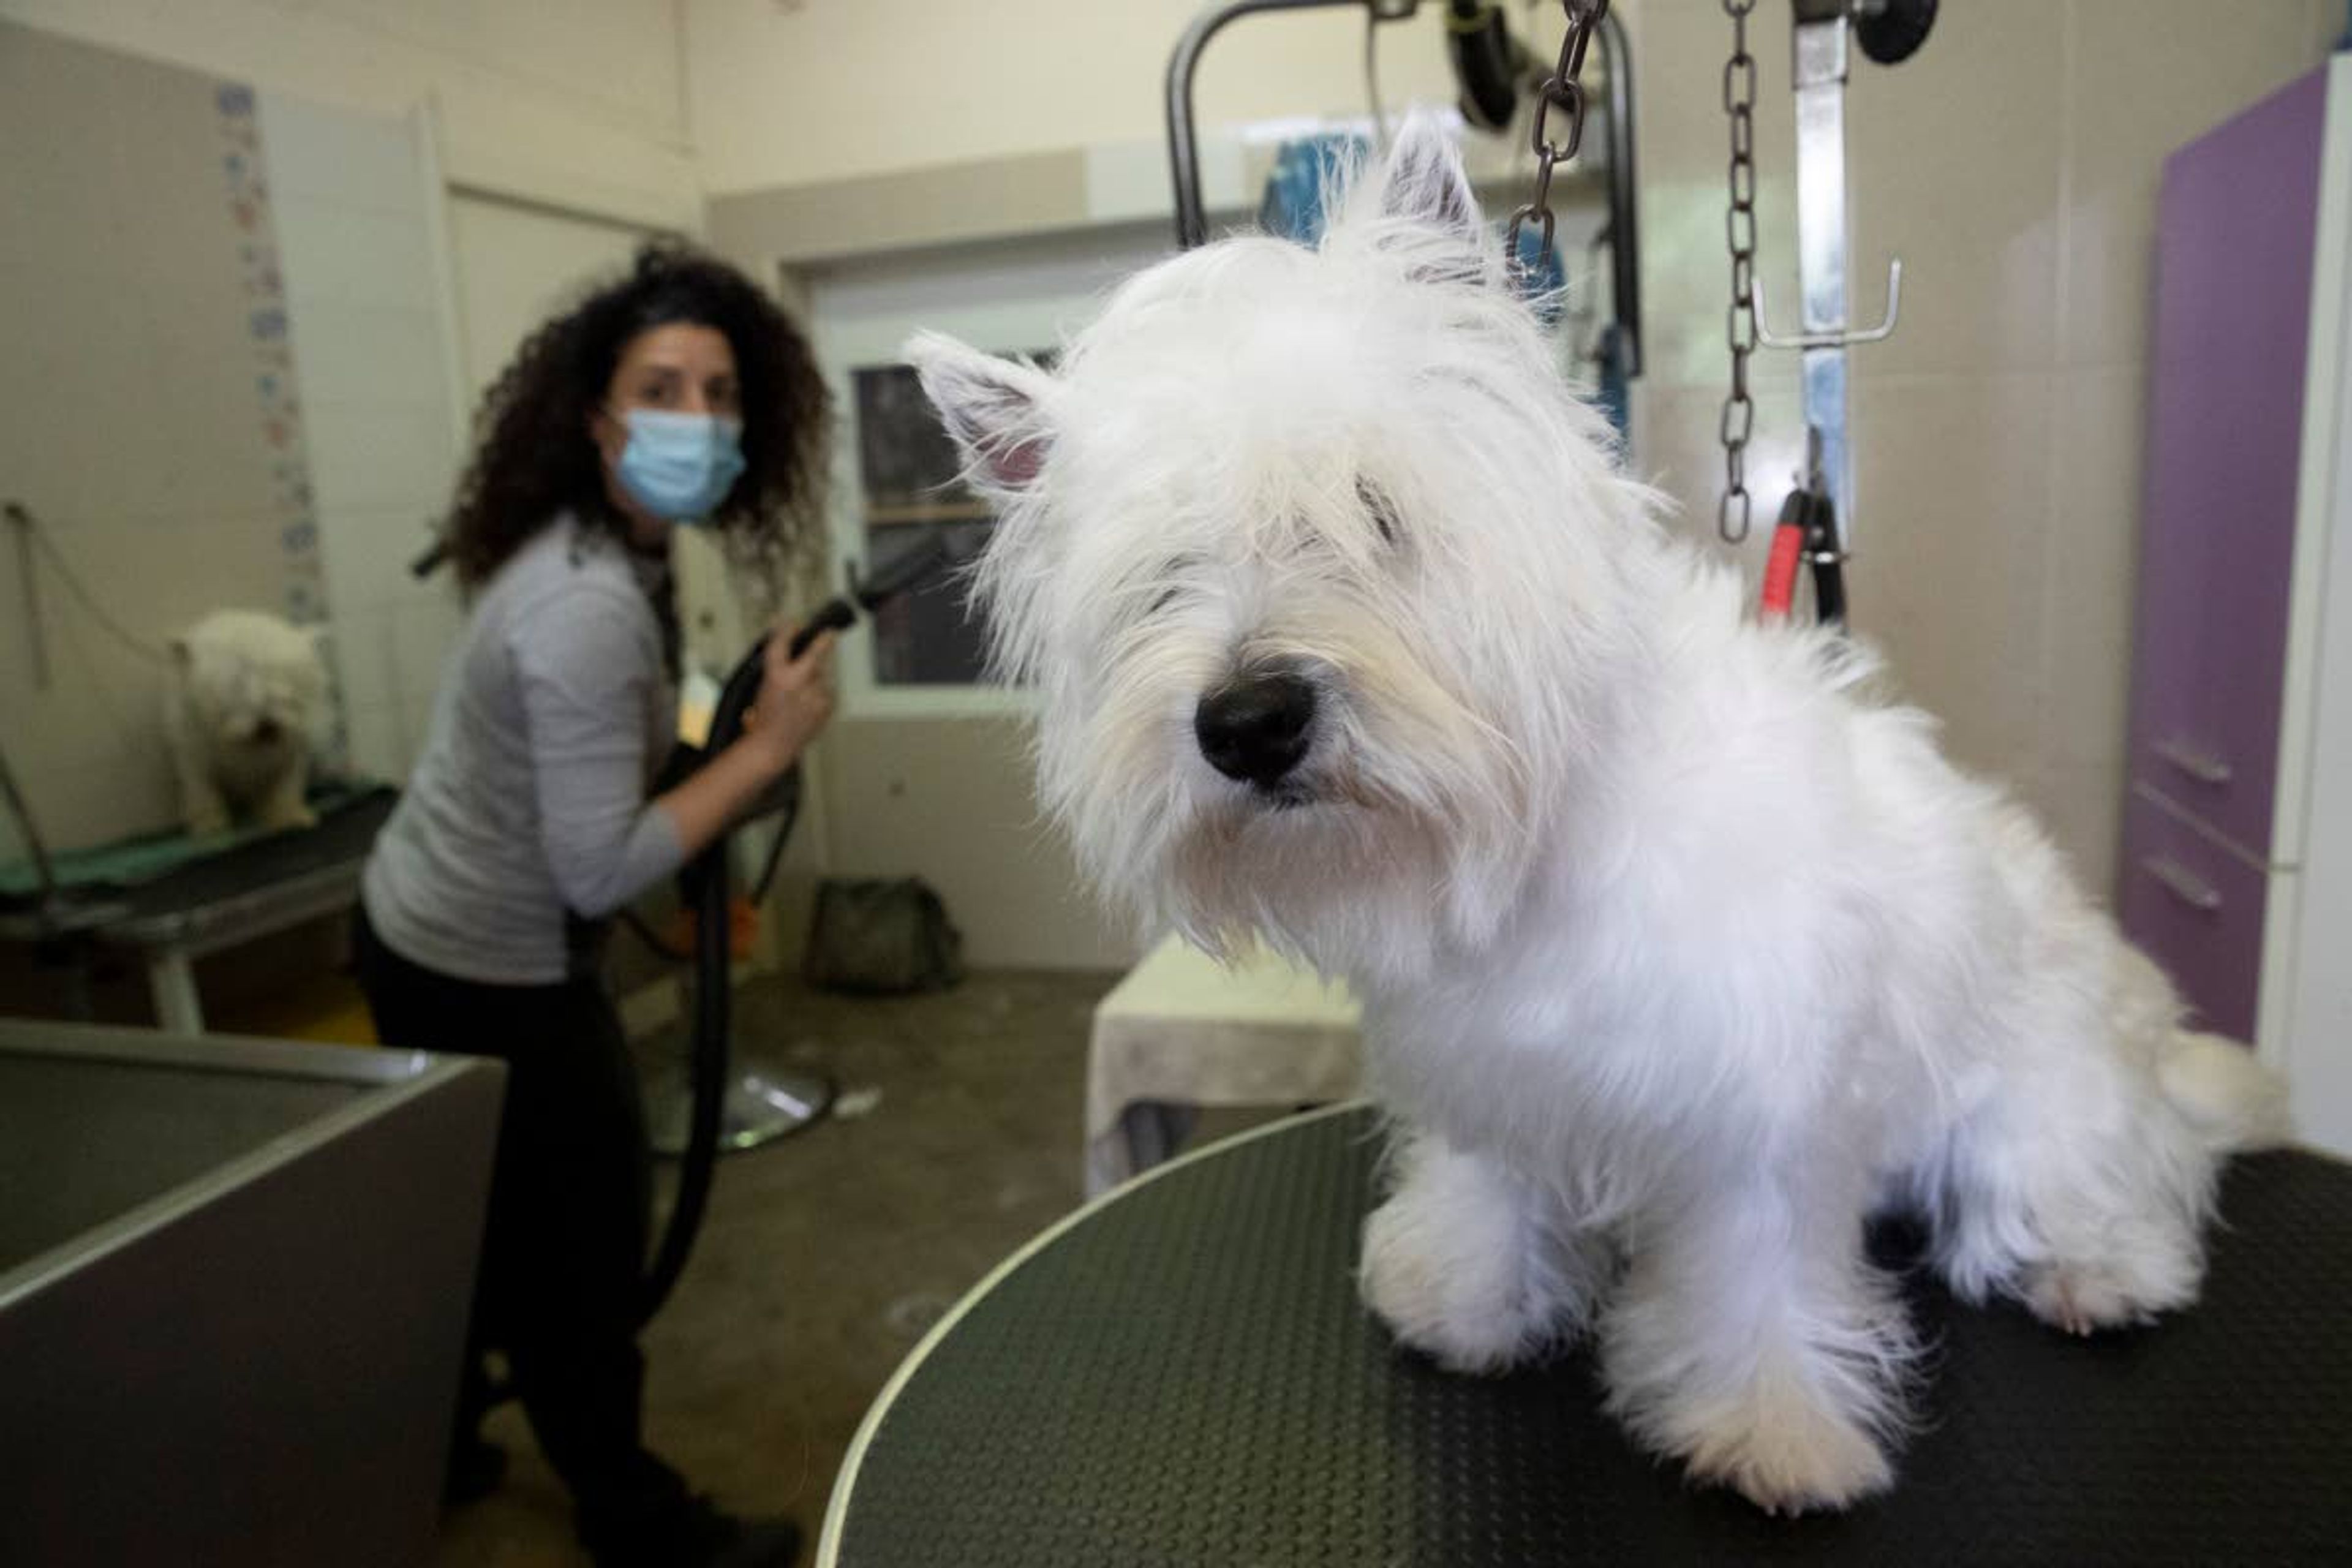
[533, 456]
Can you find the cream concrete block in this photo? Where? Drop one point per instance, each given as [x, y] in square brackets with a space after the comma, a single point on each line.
[1684, 144]
[2090, 589]
[424, 630]
[951, 801]
[338, 154]
[381, 457]
[368, 550]
[365, 663]
[1686, 278]
[154, 577]
[1677, 448]
[380, 747]
[1953, 485]
[2092, 581]
[2145, 77]
[367, 355]
[334, 249]
[2079, 802]
[1953, 164]
[85, 806]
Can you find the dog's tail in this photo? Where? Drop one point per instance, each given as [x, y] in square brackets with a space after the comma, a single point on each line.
[2233, 1102]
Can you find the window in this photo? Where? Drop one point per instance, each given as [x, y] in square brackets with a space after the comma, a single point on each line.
[895, 470]
[914, 500]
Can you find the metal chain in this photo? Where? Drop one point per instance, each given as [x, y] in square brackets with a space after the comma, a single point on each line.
[1561, 91]
[1732, 514]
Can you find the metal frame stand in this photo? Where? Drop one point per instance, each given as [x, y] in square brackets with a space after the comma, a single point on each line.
[1821, 50]
[1184, 153]
[762, 1105]
[1617, 56]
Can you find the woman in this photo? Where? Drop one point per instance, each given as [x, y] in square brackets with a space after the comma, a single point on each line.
[677, 396]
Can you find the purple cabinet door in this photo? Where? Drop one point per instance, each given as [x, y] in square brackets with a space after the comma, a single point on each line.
[2197, 910]
[2234, 271]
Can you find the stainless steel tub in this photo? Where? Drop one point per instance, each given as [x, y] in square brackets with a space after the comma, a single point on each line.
[233, 1281]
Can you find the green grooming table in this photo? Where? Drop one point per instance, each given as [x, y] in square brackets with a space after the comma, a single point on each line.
[172, 900]
[1179, 1376]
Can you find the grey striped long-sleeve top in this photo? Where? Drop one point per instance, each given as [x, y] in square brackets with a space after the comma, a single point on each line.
[529, 798]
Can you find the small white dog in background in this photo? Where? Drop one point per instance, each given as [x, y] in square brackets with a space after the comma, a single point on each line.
[1681, 954]
[245, 695]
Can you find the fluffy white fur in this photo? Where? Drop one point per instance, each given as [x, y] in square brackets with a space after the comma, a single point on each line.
[247, 693]
[1681, 953]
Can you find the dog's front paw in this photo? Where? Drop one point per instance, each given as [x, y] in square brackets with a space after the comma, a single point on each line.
[2085, 1297]
[1450, 1292]
[1788, 1453]
[281, 818]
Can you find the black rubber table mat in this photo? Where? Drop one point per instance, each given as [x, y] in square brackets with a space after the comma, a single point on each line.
[1185, 1377]
[343, 836]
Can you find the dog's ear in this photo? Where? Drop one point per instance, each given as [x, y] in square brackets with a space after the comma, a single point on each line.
[1424, 182]
[994, 408]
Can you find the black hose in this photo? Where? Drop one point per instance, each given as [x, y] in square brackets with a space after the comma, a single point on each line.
[707, 875]
[1488, 62]
[705, 882]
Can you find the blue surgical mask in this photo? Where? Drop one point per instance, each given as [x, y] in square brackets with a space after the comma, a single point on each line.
[679, 467]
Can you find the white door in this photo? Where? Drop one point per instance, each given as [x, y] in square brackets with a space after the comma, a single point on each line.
[516, 265]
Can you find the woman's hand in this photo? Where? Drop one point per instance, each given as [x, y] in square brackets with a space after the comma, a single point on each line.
[795, 699]
[794, 702]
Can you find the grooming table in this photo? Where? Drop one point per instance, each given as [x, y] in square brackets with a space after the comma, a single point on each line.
[187, 904]
[1184, 1031]
[1180, 1374]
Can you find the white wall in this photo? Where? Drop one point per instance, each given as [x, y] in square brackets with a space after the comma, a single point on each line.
[352, 200]
[576, 102]
[152, 425]
[2013, 164]
[516, 265]
[547, 120]
[782, 94]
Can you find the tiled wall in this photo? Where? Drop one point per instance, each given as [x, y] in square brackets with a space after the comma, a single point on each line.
[371, 349]
[2013, 164]
[151, 426]
[230, 389]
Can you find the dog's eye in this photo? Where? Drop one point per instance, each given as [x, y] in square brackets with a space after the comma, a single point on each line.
[1382, 511]
[1170, 579]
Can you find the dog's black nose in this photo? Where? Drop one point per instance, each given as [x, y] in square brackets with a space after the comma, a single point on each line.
[265, 732]
[1254, 727]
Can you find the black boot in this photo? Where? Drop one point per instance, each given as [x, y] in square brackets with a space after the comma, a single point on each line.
[476, 1466]
[694, 1535]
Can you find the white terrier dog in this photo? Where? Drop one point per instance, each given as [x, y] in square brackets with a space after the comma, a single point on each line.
[1680, 957]
[239, 712]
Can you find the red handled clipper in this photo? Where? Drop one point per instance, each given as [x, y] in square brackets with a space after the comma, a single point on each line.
[1806, 534]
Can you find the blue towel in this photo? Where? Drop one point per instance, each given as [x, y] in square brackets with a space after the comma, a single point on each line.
[1613, 392]
[1304, 169]
[1541, 273]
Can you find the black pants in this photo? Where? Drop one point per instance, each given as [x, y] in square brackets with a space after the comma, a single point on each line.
[564, 1252]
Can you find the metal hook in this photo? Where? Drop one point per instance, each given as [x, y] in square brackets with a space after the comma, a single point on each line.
[1838, 340]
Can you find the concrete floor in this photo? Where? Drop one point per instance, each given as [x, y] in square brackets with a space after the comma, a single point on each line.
[825, 1256]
